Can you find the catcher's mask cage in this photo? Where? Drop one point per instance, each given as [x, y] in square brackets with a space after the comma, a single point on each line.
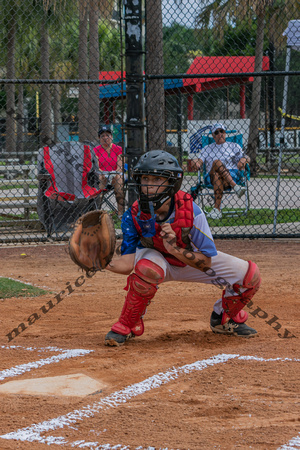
[162, 164]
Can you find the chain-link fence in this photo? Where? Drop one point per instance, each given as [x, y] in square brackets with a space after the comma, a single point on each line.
[158, 74]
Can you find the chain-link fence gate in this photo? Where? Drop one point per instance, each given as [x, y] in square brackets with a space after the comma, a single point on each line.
[89, 86]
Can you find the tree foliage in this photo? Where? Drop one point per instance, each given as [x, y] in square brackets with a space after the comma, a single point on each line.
[179, 44]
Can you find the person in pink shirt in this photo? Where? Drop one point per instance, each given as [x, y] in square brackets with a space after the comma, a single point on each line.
[110, 160]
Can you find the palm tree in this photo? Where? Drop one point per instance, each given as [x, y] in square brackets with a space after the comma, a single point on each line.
[53, 15]
[20, 120]
[46, 132]
[12, 12]
[83, 71]
[263, 8]
[155, 94]
[50, 14]
[256, 87]
[232, 11]
[93, 122]
[88, 64]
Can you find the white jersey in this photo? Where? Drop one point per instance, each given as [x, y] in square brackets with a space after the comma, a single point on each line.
[228, 153]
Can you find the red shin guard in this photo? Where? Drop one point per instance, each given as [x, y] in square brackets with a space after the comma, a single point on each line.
[233, 305]
[141, 287]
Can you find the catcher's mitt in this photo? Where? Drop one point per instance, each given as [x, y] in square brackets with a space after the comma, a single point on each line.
[93, 241]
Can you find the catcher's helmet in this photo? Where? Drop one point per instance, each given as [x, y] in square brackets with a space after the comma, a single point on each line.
[158, 163]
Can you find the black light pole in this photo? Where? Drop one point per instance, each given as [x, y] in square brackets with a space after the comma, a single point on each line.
[271, 95]
[271, 88]
[179, 127]
[134, 88]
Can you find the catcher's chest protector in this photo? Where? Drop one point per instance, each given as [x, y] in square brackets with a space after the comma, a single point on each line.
[183, 222]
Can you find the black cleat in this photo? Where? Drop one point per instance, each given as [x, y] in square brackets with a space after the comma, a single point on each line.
[230, 328]
[115, 340]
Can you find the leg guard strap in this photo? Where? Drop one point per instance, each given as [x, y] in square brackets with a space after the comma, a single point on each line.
[234, 304]
[141, 287]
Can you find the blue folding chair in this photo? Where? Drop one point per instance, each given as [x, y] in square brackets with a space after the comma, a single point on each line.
[203, 192]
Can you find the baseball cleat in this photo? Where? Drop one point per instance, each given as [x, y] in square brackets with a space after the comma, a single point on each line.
[115, 340]
[231, 327]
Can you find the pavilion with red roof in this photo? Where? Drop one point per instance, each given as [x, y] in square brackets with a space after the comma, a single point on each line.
[111, 87]
[221, 64]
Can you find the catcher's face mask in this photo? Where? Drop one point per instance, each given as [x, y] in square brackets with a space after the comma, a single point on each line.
[162, 167]
[152, 185]
[153, 189]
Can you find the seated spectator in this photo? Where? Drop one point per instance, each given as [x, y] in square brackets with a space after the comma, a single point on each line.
[223, 161]
[110, 160]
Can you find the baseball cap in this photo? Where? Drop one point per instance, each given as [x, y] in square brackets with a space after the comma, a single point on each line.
[218, 126]
[104, 129]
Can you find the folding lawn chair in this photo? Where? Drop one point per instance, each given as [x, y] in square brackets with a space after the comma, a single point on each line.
[203, 192]
[68, 177]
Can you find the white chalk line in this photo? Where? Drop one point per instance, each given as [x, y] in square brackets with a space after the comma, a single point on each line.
[33, 433]
[22, 368]
[33, 349]
[96, 446]
[292, 444]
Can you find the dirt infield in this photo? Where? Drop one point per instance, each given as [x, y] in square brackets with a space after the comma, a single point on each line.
[179, 386]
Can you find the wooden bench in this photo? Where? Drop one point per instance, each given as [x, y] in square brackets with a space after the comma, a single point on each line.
[9, 170]
[18, 200]
[20, 182]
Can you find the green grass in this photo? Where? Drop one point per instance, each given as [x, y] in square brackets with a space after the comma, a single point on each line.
[258, 217]
[262, 216]
[260, 175]
[27, 162]
[10, 288]
[10, 217]
[116, 219]
[16, 186]
[282, 177]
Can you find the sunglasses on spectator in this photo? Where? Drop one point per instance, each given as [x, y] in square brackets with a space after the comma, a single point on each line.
[219, 131]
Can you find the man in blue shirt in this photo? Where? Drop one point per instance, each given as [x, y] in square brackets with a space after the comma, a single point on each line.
[223, 163]
[166, 237]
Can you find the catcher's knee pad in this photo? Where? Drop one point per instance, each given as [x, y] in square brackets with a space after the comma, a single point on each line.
[140, 293]
[149, 271]
[233, 305]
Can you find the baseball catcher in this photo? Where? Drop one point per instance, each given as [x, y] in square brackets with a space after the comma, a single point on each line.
[166, 237]
[93, 241]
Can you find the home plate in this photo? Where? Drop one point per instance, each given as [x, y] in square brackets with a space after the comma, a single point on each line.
[69, 385]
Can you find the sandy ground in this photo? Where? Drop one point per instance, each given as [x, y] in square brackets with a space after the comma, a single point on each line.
[179, 386]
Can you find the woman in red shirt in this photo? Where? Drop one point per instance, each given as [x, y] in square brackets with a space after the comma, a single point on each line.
[110, 160]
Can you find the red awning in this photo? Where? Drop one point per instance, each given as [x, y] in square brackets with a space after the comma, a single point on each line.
[110, 75]
[221, 64]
